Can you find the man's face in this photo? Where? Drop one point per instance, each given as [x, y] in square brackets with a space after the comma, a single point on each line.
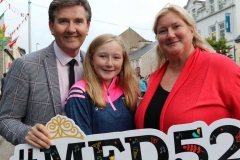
[70, 28]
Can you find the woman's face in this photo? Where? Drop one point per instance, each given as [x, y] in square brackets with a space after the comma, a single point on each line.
[174, 35]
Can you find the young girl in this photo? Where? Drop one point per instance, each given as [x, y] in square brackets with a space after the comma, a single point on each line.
[106, 99]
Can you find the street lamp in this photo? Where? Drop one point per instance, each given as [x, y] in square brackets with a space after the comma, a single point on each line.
[37, 45]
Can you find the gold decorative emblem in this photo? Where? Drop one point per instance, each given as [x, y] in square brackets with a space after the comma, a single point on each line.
[112, 158]
[63, 127]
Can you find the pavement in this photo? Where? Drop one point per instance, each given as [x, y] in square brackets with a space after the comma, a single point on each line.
[6, 149]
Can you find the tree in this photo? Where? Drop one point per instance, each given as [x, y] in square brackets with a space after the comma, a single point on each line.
[220, 46]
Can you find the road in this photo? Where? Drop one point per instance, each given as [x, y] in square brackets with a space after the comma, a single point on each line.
[6, 149]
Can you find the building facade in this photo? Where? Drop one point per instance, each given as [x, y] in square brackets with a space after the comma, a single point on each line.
[237, 41]
[5, 59]
[140, 51]
[144, 59]
[131, 40]
[218, 18]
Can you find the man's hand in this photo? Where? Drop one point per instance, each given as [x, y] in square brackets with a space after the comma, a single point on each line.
[38, 136]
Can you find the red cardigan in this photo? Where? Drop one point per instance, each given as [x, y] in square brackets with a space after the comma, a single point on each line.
[207, 89]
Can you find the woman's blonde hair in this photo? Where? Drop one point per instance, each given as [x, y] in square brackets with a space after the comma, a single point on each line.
[126, 78]
[198, 41]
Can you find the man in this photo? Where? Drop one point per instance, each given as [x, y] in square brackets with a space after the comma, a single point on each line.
[37, 83]
[2, 81]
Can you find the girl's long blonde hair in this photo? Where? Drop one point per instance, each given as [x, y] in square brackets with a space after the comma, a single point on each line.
[197, 41]
[126, 78]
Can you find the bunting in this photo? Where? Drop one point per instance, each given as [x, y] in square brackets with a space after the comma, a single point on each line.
[2, 30]
[2, 19]
[2, 16]
[1, 33]
[2, 40]
[2, 36]
[3, 27]
[25, 19]
[11, 44]
[13, 9]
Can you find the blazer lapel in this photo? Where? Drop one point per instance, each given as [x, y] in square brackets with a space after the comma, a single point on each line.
[50, 65]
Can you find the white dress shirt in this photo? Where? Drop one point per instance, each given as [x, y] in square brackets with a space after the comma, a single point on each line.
[63, 72]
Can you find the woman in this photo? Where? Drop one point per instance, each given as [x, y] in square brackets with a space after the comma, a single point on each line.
[103, 102]
[142, 85]
[191, 82]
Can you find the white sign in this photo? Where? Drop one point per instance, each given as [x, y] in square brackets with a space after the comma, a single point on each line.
[194, 141]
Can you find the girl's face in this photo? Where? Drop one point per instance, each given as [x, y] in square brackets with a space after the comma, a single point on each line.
[107, 61]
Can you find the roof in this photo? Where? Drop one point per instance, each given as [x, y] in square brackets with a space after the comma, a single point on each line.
[139, 53]
[202, 1]
[237, 40]
[195, 1]
[127, 31]
[187, 4]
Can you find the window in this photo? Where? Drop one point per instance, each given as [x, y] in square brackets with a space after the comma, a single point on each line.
[137, 63]
[222, 30]
[213, 31]
[220, 4]
[212, 8]
[194, 14]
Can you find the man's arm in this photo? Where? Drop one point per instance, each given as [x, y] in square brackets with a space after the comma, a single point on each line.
[12, 108]
[13, 105]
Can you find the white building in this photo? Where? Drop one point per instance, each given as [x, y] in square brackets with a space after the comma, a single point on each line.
[219, 18]
[144, 59]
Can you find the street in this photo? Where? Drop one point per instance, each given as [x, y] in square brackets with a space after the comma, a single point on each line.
[6, 149]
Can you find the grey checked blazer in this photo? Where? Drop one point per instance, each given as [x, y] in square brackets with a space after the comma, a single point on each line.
[31, 94]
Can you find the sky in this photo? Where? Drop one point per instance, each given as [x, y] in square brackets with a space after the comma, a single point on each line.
[108, 16]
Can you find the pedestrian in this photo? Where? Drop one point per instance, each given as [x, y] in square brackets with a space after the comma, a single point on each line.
[191, 83]
[143, 86]
[36, 85]
[3, 80]
[105, 101]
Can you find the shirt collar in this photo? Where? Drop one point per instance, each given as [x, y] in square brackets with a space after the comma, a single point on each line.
[63, 57]
[112, 84]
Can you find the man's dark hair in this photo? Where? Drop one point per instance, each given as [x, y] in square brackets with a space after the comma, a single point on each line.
[4, 74]
[57, 4]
